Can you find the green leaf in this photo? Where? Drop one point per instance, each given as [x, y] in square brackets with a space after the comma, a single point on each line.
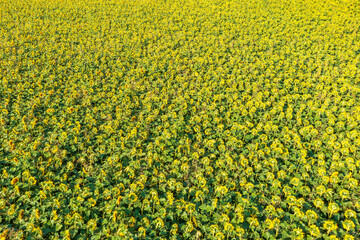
[58, 227]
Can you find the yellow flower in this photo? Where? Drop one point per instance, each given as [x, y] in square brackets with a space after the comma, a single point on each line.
[142, 231]
[329, 226]
[228, 227]
[5, 174]
[42, 194]
[269, 224]
[298, 233]
[114, 216]
[333, 208]
[14, 180]
[92, 202]
[174, 229]
[348, 225]
[37, 213]
[350, 214]
[63, 187]
[190, 208]
[133, 197]
[276, 222]
[253, 221]
[32, 180]
[314, 231]
[92, 224]
[55, 216]
[21, 214]
[295, 181]
[348, 237]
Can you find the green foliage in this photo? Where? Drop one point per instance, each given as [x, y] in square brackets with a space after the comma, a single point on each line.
[204, 119]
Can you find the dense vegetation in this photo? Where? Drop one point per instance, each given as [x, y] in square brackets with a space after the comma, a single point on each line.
[196, 119]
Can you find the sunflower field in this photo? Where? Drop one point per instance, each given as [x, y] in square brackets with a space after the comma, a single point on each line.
[170, 119]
